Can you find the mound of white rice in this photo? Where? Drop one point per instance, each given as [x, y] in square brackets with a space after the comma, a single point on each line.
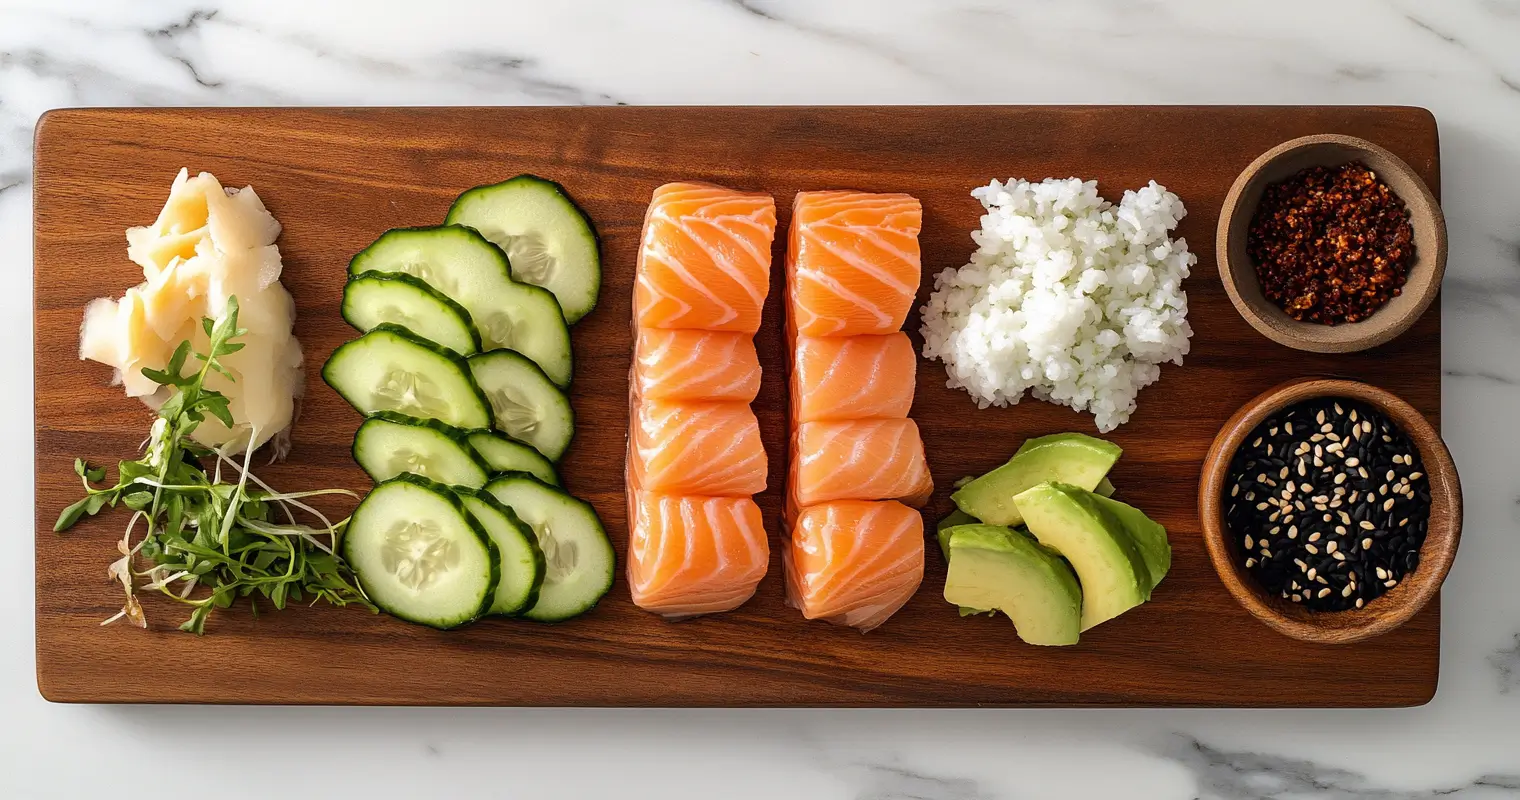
[1067, 296]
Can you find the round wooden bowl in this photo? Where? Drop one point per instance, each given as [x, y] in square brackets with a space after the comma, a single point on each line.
[1238, 271]
[1388, 611]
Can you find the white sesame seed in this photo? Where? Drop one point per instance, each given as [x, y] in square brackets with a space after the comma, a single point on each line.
[1250, 562]
[1353, 461]
[1367, 543]
[1332, 547]
[1311, 549]
[1250, 543]
[1382, 574]
[1388, 506]
[1323, 593]
[1314, 537]
[1310, 573]
[1320, 417]
[1359, 602]
[1414, 476]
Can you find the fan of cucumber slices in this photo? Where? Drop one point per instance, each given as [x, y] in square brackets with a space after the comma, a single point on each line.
[461, 373]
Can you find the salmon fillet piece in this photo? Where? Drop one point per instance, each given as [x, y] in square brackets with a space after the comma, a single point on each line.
[856, 377]
[873, 459]
[695, 365]
[694, 555]
[854, 562]
[853, 262]
[705, 260]
[697, 448]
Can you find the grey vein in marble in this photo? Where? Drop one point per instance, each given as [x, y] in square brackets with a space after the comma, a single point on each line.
[1240, 775]
[898, 783]
[1506, 81]
[167, 41]
[877, 49]
[1507, 662]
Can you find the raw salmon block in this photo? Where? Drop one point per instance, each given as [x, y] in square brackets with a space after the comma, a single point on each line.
[873, 459]
[696, 449]
[705, 259]
[854, 562]
[856, 377]
[695, 365]
[694, 555]
[852, 262]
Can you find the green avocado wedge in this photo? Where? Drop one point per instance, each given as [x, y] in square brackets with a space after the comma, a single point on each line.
[1070, 458]
[998, 568]
[1149, 536]
[1108, 562]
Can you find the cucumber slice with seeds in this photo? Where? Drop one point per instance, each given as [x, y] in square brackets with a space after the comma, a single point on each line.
[389, 444]
[522, 563]
[419, 555]
[578, 558]
[390, 369]
[375, 298]
[547, 237]
[525, 404]
[501, 454]
[465, 267]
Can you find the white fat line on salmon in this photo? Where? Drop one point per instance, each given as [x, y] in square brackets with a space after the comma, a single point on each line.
[723, 262]
[680, 271]
[858, 262]
[830, 282]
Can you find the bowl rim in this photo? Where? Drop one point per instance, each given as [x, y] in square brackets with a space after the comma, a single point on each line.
[1423, 207]
[1391, 609]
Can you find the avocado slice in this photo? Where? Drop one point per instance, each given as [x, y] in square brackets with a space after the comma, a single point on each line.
[948, 521]
[1149, 536]
[1071, 458]
[994, 567]
[943, 529]
[1107, 561]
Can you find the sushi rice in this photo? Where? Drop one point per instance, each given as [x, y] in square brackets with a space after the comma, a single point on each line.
[1067, 296]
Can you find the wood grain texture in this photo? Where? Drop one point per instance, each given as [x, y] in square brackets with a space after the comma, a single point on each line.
[337, 178]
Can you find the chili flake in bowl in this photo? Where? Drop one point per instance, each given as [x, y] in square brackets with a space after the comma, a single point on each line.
[1331, 244]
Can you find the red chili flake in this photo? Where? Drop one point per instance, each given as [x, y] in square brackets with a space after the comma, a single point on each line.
[1331, 244]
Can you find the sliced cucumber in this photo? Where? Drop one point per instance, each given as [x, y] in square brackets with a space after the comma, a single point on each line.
[507, 455]
[522, 563]
[468, 269]
[578, 559]
[377, 297]
[389, 369]
[548, 238]
[389, 444]
[419, 555]
[525, 403]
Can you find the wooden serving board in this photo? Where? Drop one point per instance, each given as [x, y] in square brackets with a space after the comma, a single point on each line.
[337, 178]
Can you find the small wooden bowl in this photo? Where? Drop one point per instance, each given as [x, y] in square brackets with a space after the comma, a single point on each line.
[1387, 611]
[1238, 271]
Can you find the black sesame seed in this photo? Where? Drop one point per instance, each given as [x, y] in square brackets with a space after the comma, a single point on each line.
[1370, 499]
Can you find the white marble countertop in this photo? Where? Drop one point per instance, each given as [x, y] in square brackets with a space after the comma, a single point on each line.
[1459, 58]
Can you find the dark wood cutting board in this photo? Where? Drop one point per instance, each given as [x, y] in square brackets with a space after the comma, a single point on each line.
[337, 178]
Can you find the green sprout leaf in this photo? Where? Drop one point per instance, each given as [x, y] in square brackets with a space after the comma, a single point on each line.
[210, 538]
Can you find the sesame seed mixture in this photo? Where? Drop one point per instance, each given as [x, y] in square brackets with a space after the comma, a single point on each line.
[1329, 503]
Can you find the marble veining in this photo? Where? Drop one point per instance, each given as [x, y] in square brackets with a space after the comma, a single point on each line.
[1457, 57]
[1243, 775]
